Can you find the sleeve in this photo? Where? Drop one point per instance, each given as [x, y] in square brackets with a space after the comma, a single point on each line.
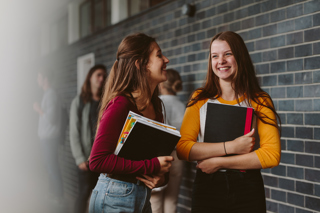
[269, 152]
[75, 137]
[189, 131]
[51, 109]
[102, 158]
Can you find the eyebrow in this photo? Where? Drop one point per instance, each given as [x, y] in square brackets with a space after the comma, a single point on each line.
[224, 52]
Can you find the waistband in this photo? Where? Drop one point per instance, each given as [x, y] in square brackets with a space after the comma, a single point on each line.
[241, 171]
[125, 178]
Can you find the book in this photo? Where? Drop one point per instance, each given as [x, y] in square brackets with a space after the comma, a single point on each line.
[227, 122]
[142, 138]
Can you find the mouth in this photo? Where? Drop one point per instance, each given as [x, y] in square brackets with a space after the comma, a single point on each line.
[164, 68]
[223, 68]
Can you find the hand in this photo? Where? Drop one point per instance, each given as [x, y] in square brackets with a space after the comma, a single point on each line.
[241, 145]
[152, 181]
[165, 163]
[209, 166]
[83, 166]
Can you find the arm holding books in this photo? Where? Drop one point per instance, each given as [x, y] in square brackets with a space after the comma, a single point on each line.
[189, 149]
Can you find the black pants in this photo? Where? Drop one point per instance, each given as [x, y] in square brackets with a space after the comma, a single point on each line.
[87, 181]
[229, 192]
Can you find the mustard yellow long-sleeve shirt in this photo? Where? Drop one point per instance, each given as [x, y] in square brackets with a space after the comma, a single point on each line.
[193, 126]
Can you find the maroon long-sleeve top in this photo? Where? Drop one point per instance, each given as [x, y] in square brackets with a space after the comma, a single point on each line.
[102, 158]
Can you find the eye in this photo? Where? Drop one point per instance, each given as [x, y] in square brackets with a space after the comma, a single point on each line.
[214, 56]
[159, 55]
[228, 53]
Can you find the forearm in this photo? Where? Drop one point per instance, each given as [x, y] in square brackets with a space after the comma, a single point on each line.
[245, 161]
[202, 151]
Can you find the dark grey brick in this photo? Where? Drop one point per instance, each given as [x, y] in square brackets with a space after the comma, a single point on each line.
[316, 19]
[304, 160]
[272, 206]
[267, 192]
[202, 55]
[254, 9]
[242, 13]
[182, 60]
[262, 44]
[250, 46]
[191, 38]
[229, 17]
[270, 181]
[296, 199]
[312, 35]
[303, 187]
[235, 4]
[217, 20]
[294, 38]
[196, 27]
[303, 78]
[287, 132]
[269, 55]
[295, 118]
[262, 68]
[269, 80]
[278, 195]
[223, 28]
[282, 3]
[287, 105]
[317, 190]
[285, 209]
[278, 92]
[222, 8]
[286, 184]
[303, 105]
[285, 53]
[304, 132]
[206, 24]
[294, 11]
[186, 30]
[295, 65]
[303, 50]
[295, 172]
[256, 57]
[295, 92]
[235, 26]
[312, 147]
[311, 6]
[277, 41]
[302, 211]
[269, 30]
[283, 144]
[246, 2]
[316, 104]
[312, 63]
[278, 15]
[283, 121]
[288, 158]
[268, 5]
[247, 23]
[303, 23]
[311, 91]
[244, 35]
[317, 133]
[187, 68]
[285, 26]
[316, 76]
[312, 119]
[286, 79]
[295, 145]
[254, 34]
[196, 47]
[211, 33]
[191, 57]
[262, 19]
[279, 170]
[313, 203]
[201, 36]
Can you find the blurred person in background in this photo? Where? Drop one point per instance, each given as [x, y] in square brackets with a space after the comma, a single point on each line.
[164, 199]
[83, 121]
[49, 132]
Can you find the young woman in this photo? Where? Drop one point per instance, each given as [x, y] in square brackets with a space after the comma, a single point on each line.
[165, 199]
[83, 120]
[230, 183]
[125, 185]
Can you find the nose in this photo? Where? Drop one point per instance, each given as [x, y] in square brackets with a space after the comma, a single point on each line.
[165, 59]
[221, 60]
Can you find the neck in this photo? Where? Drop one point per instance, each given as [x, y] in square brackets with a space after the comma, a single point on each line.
[228, 93]
[95, 94]
[166, 92]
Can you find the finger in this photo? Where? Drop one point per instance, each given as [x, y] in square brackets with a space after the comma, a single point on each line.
[250, 133]
[169, 158]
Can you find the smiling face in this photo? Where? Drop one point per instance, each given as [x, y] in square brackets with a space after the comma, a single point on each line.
[157, 65]
[223, 63]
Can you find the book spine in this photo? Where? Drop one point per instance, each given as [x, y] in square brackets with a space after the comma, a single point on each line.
[248, 124]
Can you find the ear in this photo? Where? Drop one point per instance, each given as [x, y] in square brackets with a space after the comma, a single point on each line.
[137, 64]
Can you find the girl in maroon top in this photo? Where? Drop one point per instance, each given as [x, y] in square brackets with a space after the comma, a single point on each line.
[125, 185]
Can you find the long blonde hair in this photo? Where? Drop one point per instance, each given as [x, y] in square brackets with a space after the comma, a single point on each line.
[125, 77]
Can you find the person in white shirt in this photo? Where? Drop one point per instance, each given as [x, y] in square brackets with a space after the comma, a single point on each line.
[164, 199]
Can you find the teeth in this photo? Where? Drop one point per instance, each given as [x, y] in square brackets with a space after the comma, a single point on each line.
[223, 68]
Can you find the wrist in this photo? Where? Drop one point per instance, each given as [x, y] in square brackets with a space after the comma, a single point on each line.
[229, 148]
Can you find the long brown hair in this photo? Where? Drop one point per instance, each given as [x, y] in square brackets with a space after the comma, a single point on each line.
[173, 83]
[244, 82]
[125, 77]
[86, 93]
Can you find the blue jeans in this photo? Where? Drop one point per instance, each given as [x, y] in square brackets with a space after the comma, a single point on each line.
[117, 196]
[228, 192]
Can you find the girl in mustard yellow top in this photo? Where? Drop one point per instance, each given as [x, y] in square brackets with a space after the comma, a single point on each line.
[226, 183]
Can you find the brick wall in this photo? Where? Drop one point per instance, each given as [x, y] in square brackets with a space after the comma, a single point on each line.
[283, 37]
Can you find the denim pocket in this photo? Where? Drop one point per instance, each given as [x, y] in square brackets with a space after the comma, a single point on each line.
[92, 201]
[119, 189]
